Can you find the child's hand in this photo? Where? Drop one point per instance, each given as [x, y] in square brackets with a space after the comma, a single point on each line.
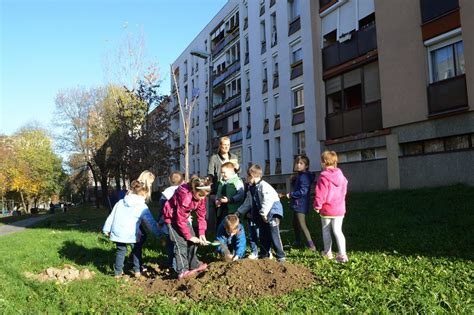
[224, 200]
[195, 240]
[218, 203]
[203, 239]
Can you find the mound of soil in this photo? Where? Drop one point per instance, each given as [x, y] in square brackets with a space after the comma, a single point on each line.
[67, 274]
[241, 279]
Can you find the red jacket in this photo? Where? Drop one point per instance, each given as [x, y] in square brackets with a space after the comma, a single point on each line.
[331, 188]
[178, 209]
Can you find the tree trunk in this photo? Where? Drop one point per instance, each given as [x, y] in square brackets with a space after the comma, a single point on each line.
[96, 188]
[186, 154]
[23, 201]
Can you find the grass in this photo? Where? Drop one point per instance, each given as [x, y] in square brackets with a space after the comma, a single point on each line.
[410, 252]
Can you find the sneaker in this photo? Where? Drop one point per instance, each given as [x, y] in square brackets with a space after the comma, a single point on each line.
[311, 246]
[201, 267]
[270, 256]
[137, 274]
[342, 258]
[253, 256]
[281, 260]
[327, 255]
[186, 274]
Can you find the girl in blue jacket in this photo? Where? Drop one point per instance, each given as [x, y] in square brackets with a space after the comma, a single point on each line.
[299, 200]
[231, 236]
[123, 225]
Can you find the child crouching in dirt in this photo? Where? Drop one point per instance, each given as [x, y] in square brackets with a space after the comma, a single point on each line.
[188, 197]
[231, 236]
[266, 212]
[123, 225]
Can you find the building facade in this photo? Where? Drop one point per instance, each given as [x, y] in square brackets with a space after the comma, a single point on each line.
[391, 93]
[397, 91]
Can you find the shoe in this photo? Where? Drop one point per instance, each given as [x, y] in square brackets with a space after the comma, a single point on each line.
[281, 260]
[327, 255]
[270, 256]
[137, 274]
[201, 267]
[186, 274]
[311, 246]
[342, 258]
[253, 256]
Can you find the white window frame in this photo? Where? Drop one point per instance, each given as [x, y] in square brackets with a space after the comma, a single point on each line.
[293, 100]
[438, 42]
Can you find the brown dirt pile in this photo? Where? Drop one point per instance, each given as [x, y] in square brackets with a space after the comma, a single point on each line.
[67, 274]
[241, 279]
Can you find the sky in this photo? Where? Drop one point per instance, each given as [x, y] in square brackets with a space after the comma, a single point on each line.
[52, 45]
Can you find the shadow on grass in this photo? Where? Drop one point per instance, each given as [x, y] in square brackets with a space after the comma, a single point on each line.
[81, 255]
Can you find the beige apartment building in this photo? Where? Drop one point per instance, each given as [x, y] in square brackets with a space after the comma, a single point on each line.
[394, 86]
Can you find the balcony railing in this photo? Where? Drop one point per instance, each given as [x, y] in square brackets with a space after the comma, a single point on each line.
[296, 69]
[360, 43]
[447, 95]
[432, 9]
[230, 70]
[227, 105]
[229, 38]
[363, 119]
[294, 26]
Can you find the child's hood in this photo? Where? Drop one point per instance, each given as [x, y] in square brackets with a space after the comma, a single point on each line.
[334, 175]
[132, 200]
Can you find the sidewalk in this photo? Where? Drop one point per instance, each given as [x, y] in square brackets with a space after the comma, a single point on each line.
[21, 225]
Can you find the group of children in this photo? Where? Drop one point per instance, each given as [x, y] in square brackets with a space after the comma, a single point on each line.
[258, 203]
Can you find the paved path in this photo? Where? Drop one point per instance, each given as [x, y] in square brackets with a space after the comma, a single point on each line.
[21, 225]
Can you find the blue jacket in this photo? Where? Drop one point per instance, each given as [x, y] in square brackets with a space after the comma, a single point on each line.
[301, 190]
[236, 243]
[123, 223]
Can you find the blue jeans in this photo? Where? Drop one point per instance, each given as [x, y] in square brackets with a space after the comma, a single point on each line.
[254, 233]
[122, 252]
[270, 235]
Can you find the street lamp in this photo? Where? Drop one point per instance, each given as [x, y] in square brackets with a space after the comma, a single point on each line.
[205, 55]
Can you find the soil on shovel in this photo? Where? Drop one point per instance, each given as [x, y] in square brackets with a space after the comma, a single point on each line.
[242, 279]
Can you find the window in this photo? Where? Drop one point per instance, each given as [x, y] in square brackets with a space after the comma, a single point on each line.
[249, 154]
[447, 61]
[275, 101]
[277, 148]
[352, 89]
[274, 29]
[334, 95]
[298, 97]
[264, 78]
[234, 121]
[263, 37]
[265, 109]
[299, 143]
[294, 9]
[267, 149]
[296, 55]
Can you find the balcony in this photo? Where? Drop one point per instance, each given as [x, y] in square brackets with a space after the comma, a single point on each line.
[432, 9]
[226, 40]
[228, 105]
[294, 26]
[298, 116]
[296, 69]
[234, 67]
[447, 95]
[363, 119]
[360, 43]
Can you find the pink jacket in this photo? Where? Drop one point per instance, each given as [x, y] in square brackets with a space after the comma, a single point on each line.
[178, 209]
[331, 191]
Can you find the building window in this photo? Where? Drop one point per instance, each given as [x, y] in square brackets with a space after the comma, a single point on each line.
[295, 9]
[447, 61]
[277, 148]
[299, 143]
[298, 97]
[274, 29]
[249, 155]
[263, 37]
[264, 78]
[352, 89]
[296, 55]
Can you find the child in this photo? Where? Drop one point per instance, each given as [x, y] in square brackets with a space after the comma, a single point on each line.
[175, 179]
[187, 198]
[231, 235]
[266, 212]
[330, 203]
[299, 200]
[123, 223]
[230, 192]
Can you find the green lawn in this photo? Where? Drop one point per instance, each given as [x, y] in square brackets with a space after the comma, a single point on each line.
[410, 251]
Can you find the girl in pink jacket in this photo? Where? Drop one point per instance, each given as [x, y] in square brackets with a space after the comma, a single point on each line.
[330, 203]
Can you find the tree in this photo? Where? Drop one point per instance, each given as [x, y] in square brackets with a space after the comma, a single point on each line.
[36, 170]
[185, 111]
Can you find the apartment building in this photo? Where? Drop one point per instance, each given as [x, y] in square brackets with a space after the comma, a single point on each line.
[260, 92]
[396, 83]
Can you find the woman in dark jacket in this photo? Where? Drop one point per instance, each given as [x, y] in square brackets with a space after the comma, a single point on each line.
[299, 200]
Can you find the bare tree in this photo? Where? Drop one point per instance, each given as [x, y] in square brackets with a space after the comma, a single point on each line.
[185, 110]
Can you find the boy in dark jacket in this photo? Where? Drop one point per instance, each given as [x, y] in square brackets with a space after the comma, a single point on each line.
[231, 236]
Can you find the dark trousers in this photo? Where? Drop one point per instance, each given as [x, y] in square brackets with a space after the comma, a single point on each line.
[270, 235]
[253, 236]
[122, 252]
[170, 252]
[185, 252]
[299, 225]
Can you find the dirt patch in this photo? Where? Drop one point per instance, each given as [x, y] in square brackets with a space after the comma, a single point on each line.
[242, 279]
[67, 274]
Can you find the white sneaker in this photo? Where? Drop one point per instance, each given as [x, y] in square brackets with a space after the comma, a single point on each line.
[252, 256]
[271, 256]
